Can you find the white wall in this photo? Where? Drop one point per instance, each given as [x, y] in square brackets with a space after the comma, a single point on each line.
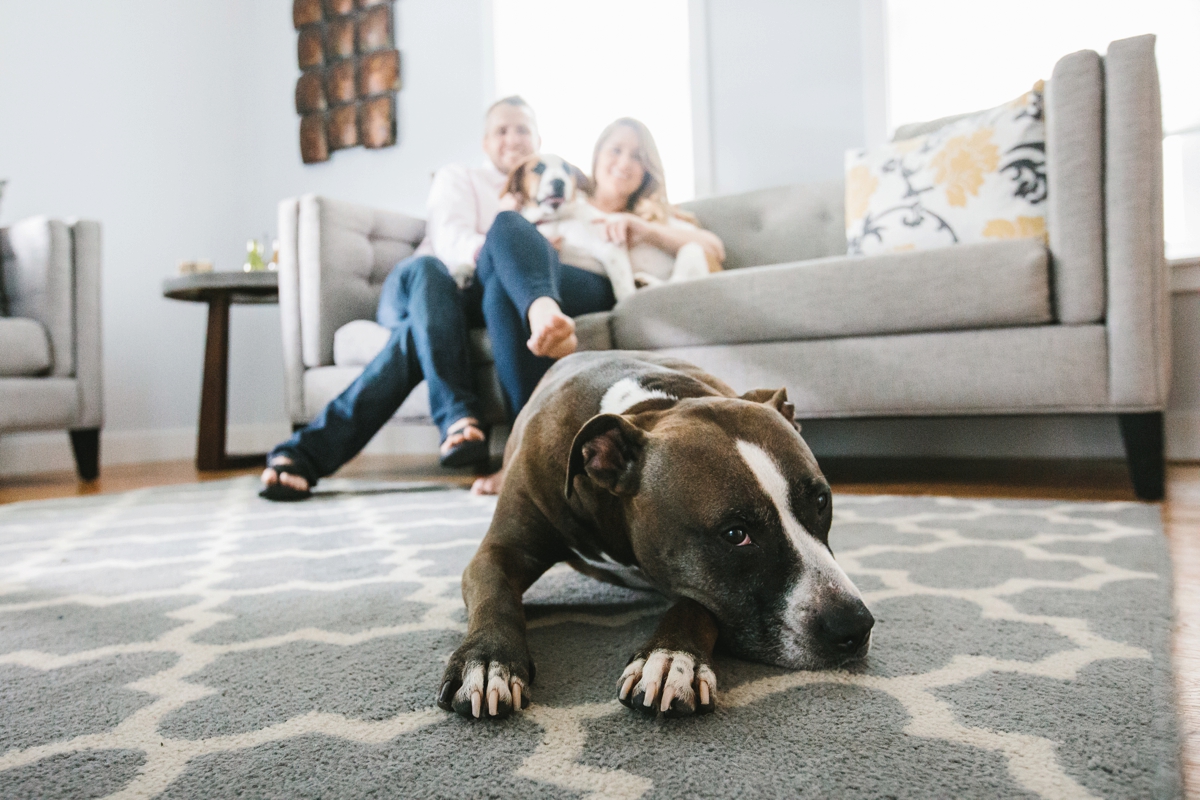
[172, 123]
[786, 90]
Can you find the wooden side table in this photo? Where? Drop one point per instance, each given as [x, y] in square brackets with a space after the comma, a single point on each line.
[220, 290]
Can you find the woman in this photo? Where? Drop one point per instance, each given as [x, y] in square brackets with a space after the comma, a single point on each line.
[523, 278]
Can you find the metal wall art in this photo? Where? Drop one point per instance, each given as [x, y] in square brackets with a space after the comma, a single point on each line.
[346, 94]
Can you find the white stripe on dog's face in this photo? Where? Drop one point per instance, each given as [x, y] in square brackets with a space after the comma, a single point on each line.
[627, 393]
[554, 169]
[821, 575]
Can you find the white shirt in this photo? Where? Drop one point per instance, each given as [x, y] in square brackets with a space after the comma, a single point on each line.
[653, 261]
[463, 203]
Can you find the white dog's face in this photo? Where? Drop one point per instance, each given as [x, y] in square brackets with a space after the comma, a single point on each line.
[545, 181]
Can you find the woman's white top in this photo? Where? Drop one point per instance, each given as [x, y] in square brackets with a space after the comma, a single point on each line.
[642, 257]
[653, 261]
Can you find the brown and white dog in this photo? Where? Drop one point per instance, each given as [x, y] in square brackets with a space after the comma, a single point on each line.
[550, 193]
[643, 470]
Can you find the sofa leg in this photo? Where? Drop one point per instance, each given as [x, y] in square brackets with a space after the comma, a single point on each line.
[86, 444]
[1143, 437]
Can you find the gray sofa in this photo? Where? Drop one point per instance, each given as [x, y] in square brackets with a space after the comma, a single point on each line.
[50, 368]
[1012, 327]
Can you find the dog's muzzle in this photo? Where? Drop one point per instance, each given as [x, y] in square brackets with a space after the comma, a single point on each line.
[845, 629]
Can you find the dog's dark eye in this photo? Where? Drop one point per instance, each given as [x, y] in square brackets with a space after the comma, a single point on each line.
[539, 169]
[822, 502]
[736, 537]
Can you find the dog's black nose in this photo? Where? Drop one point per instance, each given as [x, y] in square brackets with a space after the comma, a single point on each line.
[845, 627]
[558, 187]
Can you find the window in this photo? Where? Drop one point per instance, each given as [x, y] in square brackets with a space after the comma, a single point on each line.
[947, 57]
[584, 63]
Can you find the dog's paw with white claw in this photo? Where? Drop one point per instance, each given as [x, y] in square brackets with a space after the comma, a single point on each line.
[481, 688]
[672, 682]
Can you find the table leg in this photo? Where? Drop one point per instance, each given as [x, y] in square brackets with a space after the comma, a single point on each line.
[214, 395]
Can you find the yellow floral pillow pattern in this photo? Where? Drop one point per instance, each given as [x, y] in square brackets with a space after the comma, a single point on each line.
[979, 178]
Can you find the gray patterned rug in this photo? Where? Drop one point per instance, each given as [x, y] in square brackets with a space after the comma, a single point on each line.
[198, 642]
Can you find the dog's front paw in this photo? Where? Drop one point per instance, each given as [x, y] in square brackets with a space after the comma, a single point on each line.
[676, 683]
[483, 682]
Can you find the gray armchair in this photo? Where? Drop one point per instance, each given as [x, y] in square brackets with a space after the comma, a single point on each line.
[50, 368]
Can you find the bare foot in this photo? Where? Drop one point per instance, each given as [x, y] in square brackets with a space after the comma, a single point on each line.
[553, 331]
[270, 477]
[488, 484]
[464, 430]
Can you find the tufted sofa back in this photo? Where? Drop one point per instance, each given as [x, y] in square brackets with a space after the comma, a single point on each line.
[777, 226]
[344, 253]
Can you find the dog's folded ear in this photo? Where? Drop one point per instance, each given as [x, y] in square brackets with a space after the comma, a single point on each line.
[582, 182]
[516, 182]
[776, 399]
[608, 450]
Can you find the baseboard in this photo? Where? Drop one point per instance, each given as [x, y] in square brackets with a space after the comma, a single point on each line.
[32, 453]
[1183, 434]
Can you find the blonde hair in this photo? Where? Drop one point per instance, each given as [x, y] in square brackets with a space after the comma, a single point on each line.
[648, 201]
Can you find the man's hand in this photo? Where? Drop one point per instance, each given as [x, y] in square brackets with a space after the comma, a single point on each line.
[626, 229]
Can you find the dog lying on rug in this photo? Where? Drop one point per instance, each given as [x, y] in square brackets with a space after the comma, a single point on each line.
[646, 472]
[548, 191]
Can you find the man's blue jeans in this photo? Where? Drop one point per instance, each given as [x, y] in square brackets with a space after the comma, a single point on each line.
[425, 311]
[429, 318]
[515, 267]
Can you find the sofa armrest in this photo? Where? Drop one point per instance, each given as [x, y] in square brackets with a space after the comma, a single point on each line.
[89, 352]
[39, 282]
[1138, 308]
[344, 253]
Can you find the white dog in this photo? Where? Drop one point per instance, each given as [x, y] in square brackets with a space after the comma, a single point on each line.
[549, 193]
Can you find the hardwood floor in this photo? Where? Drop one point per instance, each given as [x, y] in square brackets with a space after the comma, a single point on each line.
[1066, 480]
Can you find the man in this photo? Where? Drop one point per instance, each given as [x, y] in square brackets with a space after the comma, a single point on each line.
[425, 302]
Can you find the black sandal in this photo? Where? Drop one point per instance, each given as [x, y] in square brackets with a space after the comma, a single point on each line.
[468, 452]
[280, 493]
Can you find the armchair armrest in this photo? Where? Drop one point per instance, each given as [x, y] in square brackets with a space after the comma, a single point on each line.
[89, 353]
[39, 278]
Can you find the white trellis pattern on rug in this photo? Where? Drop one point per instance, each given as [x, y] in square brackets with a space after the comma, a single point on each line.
[224, 531]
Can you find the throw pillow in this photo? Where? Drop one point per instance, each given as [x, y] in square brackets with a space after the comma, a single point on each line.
[976, 178]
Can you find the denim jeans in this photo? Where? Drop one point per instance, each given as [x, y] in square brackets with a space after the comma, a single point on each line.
[515, 267]
[429, 318]
[425, 311]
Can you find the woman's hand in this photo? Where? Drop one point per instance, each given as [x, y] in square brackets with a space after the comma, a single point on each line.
[509, 202]
[626, 229]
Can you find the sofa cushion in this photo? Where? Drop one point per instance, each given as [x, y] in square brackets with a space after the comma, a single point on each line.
[987, 285]
[356, 343]
[977, 178]
[24, 348]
